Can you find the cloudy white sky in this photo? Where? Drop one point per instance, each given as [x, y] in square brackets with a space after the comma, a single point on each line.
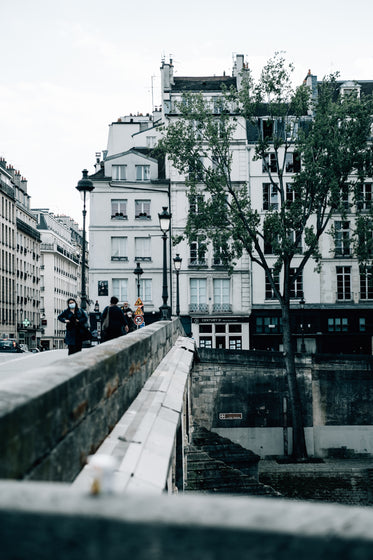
[69, 68]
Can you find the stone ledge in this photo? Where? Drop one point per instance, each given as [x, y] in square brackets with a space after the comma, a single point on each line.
[45, 521]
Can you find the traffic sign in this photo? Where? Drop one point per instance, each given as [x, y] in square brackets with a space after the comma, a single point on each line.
[139, 320]
[139, 311]
[139, 303]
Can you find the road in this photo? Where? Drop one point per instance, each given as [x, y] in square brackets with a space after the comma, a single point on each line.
[19, 364]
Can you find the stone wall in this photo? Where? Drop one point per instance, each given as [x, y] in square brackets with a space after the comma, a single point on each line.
[45, 521]
[53, 419]
[244, 396]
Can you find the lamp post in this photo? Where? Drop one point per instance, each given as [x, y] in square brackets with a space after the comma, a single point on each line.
[302, 303]
[138, 271]
[164, 223]
[96, 309]
[177, 265]
[84, 185]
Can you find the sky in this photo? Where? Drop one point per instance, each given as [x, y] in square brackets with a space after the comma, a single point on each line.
[70, 68]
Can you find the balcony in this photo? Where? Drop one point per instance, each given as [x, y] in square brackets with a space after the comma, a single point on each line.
[198, 308]
[119, 259]
[222, 308]
[197, 263]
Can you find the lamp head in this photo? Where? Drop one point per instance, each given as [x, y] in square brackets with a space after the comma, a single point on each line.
[85, 184]
[177, 262]
[138, 270]
[164, 219]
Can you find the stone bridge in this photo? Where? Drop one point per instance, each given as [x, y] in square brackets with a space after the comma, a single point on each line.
[126, 404]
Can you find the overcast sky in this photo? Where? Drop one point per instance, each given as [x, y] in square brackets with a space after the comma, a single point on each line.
[71, 67]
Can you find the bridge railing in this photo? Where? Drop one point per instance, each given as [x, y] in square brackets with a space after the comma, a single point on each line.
[53, 417]
[145, 450]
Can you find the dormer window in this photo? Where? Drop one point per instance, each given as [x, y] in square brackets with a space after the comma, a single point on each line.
[118, 172]
[142, 172]
[350, 88]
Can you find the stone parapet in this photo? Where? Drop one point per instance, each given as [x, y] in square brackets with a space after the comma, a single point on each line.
[45, 521]
[55, 416]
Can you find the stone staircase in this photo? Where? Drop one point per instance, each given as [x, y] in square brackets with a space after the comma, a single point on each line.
[217, 465]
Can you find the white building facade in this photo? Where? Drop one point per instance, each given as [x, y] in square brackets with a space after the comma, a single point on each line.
[60, 267]
[218, 309]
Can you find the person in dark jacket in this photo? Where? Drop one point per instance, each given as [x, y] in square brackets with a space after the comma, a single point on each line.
[118, 322]
[75, 319]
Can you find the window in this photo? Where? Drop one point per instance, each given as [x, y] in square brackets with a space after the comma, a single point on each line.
[337, 324]
[119, 249]
[150, 141]
[291, 194]
[203, 329]
[119, 209]
[195, 203]
[343, 282]
[197, 254]
[266, 128]
[205, 341]
[120, 288]
[269, 162]
[362, 324]
[146, 290]
[142, 172]
[142, 209]
[296, 290]
[221, 294]
[292, 162]
[366, 283]
[118, 172]
[268, 325]
[198, 294]
[342, 238]
[270, 196]
[365, 197]
[235, 343]
[142, 249]
[269, 292]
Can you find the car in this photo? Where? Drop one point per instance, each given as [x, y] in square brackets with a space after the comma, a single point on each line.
[24, 347]
[34, 350]
[10, 346]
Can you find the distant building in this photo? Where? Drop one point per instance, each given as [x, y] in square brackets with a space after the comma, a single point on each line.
[59, 272]
[220, 310]
[8, 294]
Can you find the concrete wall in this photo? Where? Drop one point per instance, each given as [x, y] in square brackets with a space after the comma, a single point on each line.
[51, 420]
[45, 521]
[244, 396]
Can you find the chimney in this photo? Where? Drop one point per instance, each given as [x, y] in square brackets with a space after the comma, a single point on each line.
[2, 163]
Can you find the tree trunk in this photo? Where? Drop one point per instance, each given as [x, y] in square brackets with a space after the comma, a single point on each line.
[299, 442]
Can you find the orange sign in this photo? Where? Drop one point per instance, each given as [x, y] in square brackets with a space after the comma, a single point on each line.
[139, 311]
[139, 303]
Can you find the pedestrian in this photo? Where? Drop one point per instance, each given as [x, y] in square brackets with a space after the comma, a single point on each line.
[129, 314]
[114, 321]
[76, 320]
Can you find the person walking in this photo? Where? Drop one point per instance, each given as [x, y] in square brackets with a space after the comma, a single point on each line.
[76, 320]
[114, 321]
[129, 314]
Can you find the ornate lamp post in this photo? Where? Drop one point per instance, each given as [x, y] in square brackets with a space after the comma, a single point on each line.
[138, 271]
[164, 224]
[84, 185]
[302, 303]
[177, 265]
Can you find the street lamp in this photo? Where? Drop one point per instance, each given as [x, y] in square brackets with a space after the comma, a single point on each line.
[84, 185]
[164, 224]
[138, 271]
[177, 265]
[302, 303]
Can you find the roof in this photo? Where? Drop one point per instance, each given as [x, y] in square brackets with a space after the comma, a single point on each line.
[203, 83]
